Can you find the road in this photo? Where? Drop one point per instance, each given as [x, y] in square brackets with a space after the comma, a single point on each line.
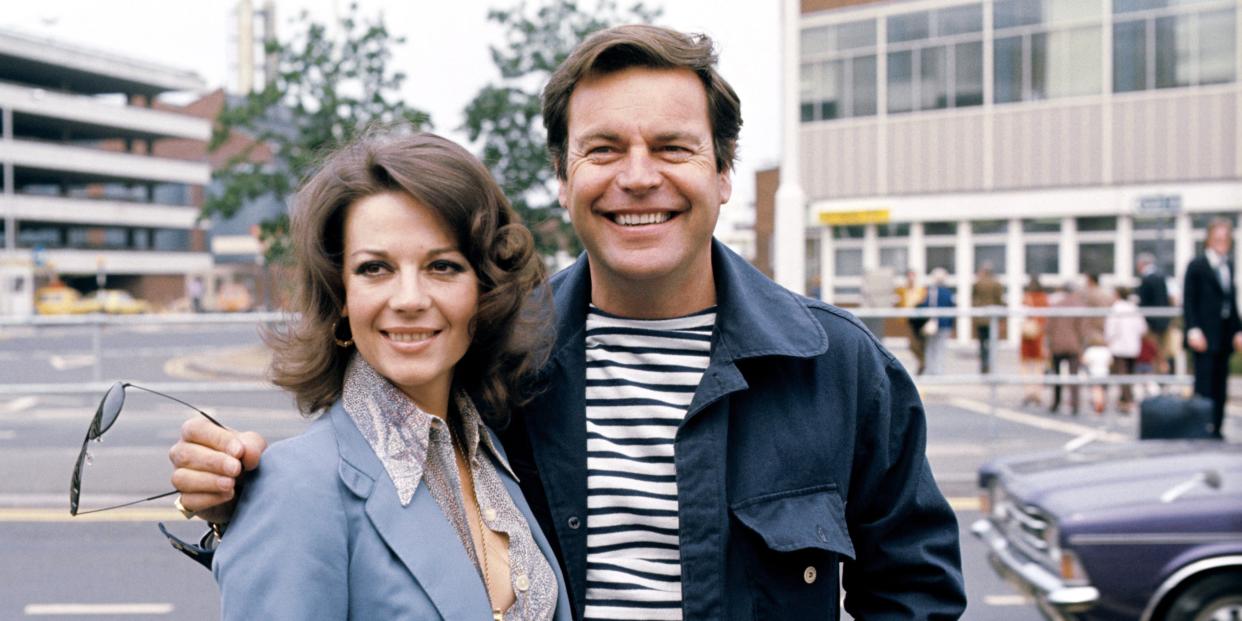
[118, 565]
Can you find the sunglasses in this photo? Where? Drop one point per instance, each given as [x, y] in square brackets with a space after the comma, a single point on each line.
[105, 416]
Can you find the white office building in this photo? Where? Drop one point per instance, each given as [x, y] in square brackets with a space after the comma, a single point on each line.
[1047, 137]
[88, 194]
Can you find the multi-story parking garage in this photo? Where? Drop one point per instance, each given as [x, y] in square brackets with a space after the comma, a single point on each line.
[87, 195]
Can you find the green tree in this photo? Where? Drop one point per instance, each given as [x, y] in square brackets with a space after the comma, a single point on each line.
[506, 115]
[327, 88]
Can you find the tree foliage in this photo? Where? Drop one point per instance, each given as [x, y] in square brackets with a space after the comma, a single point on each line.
[330, 84]
[505, 115]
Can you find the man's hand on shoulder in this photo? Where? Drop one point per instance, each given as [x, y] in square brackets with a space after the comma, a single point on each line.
[207, 461]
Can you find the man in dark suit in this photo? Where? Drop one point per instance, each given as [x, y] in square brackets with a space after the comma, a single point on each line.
[1153, 291]
[1210, 311]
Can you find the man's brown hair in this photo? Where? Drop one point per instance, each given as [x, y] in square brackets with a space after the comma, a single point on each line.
[654, 47]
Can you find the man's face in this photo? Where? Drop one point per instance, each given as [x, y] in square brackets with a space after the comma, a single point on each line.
[641, 184]
[1220, 240]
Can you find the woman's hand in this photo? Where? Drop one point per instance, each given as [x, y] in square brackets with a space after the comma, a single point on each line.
[207, 461]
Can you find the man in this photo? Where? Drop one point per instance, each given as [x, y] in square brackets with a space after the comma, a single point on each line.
[682, 480]
[1210, 312]
[1066, 338]
[1153, 291]
[988, 291]
[936, 330]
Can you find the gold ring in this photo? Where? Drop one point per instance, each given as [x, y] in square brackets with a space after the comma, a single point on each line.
[180, 507]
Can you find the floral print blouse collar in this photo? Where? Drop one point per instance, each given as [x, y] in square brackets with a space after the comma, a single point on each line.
[399, 431]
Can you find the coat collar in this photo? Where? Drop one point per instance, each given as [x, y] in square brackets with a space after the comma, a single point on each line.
[754, 316]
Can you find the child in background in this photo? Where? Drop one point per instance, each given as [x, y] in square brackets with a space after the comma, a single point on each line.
[1097, 359]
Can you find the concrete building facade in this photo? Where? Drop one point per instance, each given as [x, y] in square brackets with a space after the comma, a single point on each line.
[1049, 138]
[89, 194]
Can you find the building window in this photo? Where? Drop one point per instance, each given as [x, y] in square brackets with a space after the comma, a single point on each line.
[1045, 49]
[853, 231]
[1096, 224]
[172, 239]
[1096, 258]
[1172, 43]
[1162, 249]
[849, 261]
[1042, 225]
[838, 71]
[942, 256]
[992, 255]
[1043, 259]
[989, 227]
[935, 59]
[897, 258]
[893, 229]
[940, 228]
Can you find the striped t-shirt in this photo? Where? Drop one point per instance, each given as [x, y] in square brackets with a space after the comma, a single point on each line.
[640, 378]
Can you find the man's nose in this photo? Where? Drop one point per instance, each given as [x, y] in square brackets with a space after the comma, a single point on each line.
[641, 172]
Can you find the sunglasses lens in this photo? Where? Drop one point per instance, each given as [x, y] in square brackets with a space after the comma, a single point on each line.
[111, 406]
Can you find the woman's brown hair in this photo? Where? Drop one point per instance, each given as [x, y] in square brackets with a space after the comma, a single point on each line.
[438, 173]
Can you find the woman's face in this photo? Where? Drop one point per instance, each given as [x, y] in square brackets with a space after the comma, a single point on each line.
[410, 295]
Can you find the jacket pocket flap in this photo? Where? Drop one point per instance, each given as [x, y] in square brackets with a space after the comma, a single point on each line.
[801, 519]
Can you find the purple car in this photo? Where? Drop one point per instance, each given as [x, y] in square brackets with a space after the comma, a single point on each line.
[1148, 530]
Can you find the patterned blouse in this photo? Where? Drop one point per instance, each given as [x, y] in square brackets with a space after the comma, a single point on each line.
[415, 446]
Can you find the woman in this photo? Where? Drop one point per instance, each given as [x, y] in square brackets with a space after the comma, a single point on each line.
[1124, 329]
[1032, 356]
[397, 503]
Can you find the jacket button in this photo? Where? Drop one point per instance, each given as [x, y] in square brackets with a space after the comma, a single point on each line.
[809, 575]
[522, 583]
[489, 514]
[574, 522]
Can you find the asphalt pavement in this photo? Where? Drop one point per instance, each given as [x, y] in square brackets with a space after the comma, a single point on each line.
[116, 565]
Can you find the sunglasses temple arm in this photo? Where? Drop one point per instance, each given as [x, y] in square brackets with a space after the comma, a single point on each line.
[156, 392]
[155, 497]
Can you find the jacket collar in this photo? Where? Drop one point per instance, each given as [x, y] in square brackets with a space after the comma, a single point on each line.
[754, 316]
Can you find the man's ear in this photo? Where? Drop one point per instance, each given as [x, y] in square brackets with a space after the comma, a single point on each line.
[726, 186]
[562, 194]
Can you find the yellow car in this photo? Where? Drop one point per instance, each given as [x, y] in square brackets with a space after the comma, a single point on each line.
[118, 302]
[62, 300]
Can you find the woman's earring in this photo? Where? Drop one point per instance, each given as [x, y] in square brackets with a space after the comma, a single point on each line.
[336, 334]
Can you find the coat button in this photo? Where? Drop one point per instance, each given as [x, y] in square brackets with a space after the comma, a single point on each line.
[522, 582]
[489, 514]
[574, 522]
[809, 575]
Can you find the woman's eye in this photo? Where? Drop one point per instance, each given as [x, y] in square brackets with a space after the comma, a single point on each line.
[370, 268]
[447, 267]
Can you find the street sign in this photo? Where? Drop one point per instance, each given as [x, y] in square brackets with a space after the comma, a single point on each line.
[1159, 205]
[861, 216]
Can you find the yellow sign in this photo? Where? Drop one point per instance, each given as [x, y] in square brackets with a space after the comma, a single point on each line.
[864, 216]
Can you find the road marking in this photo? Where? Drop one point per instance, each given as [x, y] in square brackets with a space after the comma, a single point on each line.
[964, 503]
[20, 404]
[37, 610]
[132, 514]
[1060, 426]
[1006, 600]
[72, 361]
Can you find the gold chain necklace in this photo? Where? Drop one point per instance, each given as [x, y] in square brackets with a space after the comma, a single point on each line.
[487, 580]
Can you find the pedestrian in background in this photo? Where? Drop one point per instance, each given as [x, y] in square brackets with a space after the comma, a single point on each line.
[1153, 292]
[1065, 343]
[1097, 359]
[910, 295]
[1213, 330]
[1095, 296]
[1032, 355]
[194, 291]
[988, 291]
[1124, 329]
[936, 330]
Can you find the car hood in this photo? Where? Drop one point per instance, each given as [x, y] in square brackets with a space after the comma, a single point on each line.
[1116, 476]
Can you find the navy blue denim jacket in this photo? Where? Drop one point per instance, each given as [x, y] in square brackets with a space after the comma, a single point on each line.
[803, 448]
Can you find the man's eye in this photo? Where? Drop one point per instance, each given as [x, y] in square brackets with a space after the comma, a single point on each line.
[600, 150]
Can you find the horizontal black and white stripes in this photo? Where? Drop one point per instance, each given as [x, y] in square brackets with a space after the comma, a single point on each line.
[640, 378]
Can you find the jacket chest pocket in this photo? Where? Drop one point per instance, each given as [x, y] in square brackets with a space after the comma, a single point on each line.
[792, 544]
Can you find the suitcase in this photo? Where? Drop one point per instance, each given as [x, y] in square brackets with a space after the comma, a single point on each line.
[1169, 417]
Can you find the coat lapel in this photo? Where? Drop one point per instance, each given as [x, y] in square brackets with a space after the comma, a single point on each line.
[418, 534]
